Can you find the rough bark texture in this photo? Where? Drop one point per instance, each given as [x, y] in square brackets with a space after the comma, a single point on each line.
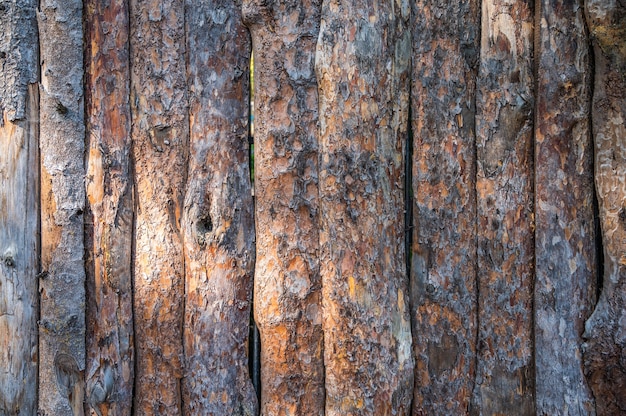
[62, 135]
[363, 62]
[505, 374]
[443, 272]
[160, 134]
[218, 222]
[605, 352]
[566, 263]
[19, 208]
[109, 214]
[287, 287]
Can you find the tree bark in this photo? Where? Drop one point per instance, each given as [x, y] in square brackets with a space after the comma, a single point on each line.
[566, 264]
[62, 134]
[19, 208]
[160, 134]
[109, 214]
[504, 120]
[443, 272]
[287, 287]
[217, 220]
[605, 331]
[363, 68]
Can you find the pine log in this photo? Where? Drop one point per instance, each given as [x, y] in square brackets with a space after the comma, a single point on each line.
[287, 286]
[504, 133]
[160, 135]
[109, 213]
[217, 219]
[443, 261]
[566, 264]
[62, 135]
[363, 69]
[605, 331]
[19, 208]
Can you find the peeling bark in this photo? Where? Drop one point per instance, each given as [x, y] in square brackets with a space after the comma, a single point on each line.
[217, 222]
[566, 263]
[109, 214]
[160, 134]
[19, 208]
[605, 331]
[362, 64]
[504, 124]
[443, 272]
[62, 135]
[287, 287]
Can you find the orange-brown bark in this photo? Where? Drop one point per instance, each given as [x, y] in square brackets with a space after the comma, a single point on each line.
[443, 272]
[605, 331]
[160, 134]
[217, 220]
[362, 63]
[566, 263]
[109, 218]
[504, 125]
[287, 303]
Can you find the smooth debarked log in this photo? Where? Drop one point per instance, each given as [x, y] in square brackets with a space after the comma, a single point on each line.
[160, 135]
[363, 70]
[605, 331]
[566, 263]
[110, 370]
[287, 286]
[217, 218]
[62, 144]
[19, 208]
[504, 186]
[443, 261]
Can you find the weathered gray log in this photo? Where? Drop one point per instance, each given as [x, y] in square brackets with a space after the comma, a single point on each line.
[160, 134]
[62, 135]
[363, 69]
[443, 271]
[504, 125]
[287, 287]
[605, 331]
[109, 214]
[217, 220]
[19, 207]
[566, 264]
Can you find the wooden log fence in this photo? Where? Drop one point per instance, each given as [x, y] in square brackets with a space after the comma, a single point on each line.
[429, 220]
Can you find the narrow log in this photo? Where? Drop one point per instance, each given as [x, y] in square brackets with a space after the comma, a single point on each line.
[566, 263]
[363, 68]
[217, 221]
[109, 213]
[62, 135]
[605, 331]
[287, 287]
[19, 208]
[504, 133]
[443, 271]
[160, 135]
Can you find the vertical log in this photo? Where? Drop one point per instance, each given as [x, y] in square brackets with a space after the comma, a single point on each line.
[109, 213]
[566, 265]
[160, 134]
[19, 203]
[287, 287]
[605, 331]
[62, 135]
[505, 374]
[217, 220]
[363, 68]
[443, 272]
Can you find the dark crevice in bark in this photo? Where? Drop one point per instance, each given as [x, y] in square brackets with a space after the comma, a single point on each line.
[408, 213]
